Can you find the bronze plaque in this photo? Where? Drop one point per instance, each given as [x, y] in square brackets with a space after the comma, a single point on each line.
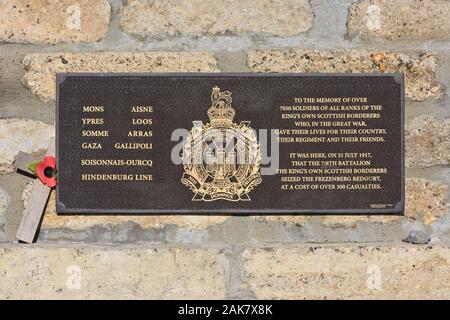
[230, 143]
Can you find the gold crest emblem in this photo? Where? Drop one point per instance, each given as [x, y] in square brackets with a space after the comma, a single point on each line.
[221, 159]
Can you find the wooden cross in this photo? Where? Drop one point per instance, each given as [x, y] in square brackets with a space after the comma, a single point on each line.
[35, 208]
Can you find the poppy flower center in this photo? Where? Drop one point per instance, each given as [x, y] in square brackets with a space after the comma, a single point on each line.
[48, 172]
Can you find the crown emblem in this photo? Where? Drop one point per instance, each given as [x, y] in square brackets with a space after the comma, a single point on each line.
[221, 112]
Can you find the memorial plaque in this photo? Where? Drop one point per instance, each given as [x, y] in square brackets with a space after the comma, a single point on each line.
[230, 143]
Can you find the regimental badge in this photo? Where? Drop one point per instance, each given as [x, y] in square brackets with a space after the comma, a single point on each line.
[221, 159]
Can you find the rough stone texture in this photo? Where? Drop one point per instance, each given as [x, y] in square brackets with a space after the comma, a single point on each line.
[419, 70]
[427, 199]
[53, 221]
[400, 19]
[352, 221]
[50, 21]
[194, 17]
[293, 220]
[34, 272]
[41, 69]
[341, 272]
[21, 135]
[427, 141]
[5, 201]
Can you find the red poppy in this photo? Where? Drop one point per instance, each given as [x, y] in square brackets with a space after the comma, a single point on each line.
[46, 171]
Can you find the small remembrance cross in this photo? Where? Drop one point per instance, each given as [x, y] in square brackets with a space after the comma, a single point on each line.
[34, 210]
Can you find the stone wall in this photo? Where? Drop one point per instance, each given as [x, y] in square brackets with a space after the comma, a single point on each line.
[322, 257]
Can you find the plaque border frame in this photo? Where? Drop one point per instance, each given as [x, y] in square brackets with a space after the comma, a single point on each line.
[396, 210]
